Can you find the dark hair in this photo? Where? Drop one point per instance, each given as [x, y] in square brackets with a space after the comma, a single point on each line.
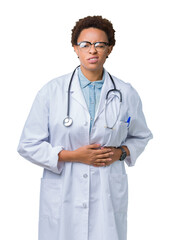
[94, 22]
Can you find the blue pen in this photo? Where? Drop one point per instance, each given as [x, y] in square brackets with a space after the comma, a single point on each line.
[128, 121]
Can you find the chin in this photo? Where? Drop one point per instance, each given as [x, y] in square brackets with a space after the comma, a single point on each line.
[92, 67]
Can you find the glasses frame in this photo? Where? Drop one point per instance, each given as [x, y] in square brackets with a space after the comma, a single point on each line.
[78, 44]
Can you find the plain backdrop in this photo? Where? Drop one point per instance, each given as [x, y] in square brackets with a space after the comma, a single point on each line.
[35, 47]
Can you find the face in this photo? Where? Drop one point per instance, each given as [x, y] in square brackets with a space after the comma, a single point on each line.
[93, 59]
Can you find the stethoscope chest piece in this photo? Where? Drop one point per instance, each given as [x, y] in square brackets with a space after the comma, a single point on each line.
[68, 121]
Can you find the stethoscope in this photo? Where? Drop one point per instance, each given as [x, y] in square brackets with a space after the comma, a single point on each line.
[68, 121]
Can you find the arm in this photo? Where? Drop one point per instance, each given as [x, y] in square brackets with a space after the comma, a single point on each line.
[127, 150]
[34, 144]
[116, 154]
[138, 134]
[89, 154]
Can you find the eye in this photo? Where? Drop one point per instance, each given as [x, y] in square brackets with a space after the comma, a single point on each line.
[84, 45]
[100, 45]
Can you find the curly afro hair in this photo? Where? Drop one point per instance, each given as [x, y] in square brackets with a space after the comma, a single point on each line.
[94, 22]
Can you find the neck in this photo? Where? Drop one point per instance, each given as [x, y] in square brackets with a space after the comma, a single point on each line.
[92, 75]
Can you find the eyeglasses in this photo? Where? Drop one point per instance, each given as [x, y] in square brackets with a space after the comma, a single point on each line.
[99, 46]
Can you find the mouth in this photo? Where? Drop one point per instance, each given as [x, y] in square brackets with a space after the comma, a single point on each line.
[93, 59]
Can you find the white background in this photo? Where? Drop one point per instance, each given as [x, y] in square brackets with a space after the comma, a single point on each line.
[34, 48]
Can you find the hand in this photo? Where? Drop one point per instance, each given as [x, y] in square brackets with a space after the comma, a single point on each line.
[94, 155]
[116, 153]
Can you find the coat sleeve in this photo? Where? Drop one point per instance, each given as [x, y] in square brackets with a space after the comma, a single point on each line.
[138, 133]
[34, 143]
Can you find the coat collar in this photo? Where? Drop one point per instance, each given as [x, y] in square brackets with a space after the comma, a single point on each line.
[77, 94]
[108, 85]
[84, 82]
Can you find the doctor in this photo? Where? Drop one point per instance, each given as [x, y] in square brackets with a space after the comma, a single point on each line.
[84, 189]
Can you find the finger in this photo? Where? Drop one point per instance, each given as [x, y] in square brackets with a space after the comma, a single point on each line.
[105, 155]
[106, 160]
[112, 148]
[103, 151]
[99, 165]
[93, 146]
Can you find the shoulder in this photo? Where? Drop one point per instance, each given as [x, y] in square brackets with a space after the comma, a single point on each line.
[57, 84]
[128, 91]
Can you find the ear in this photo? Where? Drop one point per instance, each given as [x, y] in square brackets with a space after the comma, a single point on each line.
[110, 48]
[76, 50]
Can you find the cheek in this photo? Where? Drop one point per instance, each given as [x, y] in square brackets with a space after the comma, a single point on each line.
[103, 58]
[82, 55]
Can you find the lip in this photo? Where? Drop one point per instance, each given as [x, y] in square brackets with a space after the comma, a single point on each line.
[93, 59]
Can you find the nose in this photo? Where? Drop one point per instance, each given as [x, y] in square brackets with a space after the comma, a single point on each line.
[92, 49]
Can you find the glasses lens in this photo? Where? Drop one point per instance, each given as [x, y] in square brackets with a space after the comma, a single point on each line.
[99, 46]
[84, 45]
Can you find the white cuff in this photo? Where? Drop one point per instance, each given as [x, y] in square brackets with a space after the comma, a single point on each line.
[55, 165]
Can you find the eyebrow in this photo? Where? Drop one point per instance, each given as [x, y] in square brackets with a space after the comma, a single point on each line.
[94, 42]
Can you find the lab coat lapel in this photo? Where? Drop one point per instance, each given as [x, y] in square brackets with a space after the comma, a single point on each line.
[106, 87]
[76, 92]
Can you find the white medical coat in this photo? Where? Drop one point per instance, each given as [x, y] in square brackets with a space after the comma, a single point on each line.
[79, 201]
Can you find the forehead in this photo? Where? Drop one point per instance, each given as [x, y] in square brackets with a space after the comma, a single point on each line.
[92, 35]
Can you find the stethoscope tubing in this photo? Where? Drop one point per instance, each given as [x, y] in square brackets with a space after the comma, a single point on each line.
[68, 97]
[67, 122]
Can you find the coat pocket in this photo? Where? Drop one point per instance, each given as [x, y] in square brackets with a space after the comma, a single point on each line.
[122, 131]
[116, 136]
[118, 185]
[50, 198]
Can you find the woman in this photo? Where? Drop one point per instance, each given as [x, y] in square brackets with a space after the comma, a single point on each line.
[82, 142]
